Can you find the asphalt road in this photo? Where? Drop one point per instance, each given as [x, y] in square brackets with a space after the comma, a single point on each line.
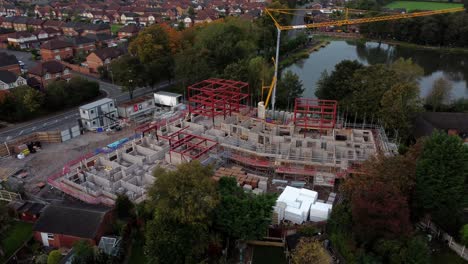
[68, 118]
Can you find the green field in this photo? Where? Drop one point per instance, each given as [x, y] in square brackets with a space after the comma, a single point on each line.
[115, 28]
[15, 236]
[415, 5]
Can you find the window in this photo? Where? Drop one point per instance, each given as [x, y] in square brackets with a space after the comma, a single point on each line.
[83, 111]
[50, 236]
[80, 46]
[47, 76]
[92, 111]
[56, 51]
[57, 75]
[65, 71]
[67, 49]
[94, 122]
[111, 104]
[112, 115]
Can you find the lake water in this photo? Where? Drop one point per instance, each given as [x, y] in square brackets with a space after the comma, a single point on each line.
[435, 64]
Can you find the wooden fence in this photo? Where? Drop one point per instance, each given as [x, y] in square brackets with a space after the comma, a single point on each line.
[9, 148]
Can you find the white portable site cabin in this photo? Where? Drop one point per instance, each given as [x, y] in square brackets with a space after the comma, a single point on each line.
[167, 99]
[99, 115]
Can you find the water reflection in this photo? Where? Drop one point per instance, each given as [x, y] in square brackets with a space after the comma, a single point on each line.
[435, 64]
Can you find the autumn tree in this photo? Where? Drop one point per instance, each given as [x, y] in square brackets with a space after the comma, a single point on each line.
[183, 202]
[439, 93]
[310, 251]
[54, 257]
[441, 179]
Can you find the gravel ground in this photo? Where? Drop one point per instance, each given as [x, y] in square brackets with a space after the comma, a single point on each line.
[53, 156]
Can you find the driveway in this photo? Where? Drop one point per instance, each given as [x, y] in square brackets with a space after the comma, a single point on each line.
[25, 57]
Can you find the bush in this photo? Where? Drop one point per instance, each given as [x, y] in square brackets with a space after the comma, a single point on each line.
[464, 235]
[54, 257]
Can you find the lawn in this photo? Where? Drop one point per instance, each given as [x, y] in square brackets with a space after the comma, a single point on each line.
[268, 255]
[15, 236]
[115, 28]
[415, 5]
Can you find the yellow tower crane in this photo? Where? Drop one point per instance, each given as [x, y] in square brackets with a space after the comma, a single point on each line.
[343, 22]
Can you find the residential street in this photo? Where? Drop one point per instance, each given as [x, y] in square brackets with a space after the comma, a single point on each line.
[68, 118]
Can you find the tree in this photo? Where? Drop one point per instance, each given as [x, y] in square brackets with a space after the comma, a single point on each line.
[379, 210]
[337, 85]
[84, 252]
[439, 93]
[310, 251]
[241, 215]
[398, 107]
[54, 257]
[441, 174]
[464, 234]
[289, 87]
[411, 250]
[191, 11]
[124, 207]
[406, 71]
[183, 202]
[56, 95]
[128, 72]
[151, 44]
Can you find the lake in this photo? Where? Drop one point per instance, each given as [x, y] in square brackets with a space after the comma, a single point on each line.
[435, 64]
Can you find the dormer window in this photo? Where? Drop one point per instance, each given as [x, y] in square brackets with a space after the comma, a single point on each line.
[47, 76]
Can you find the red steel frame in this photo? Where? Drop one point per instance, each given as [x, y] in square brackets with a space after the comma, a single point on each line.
[182, 142]
[315, 113]
[214, 97]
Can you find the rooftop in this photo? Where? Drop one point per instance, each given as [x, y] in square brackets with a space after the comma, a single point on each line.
[97, 103]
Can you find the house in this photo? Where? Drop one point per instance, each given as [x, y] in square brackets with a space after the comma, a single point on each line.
[102, 57]
[10, 80]
[55, 24]
[129, 18]
[61, 226]
[47, 33]
[56, 49]
[187, 22]
[72, 29]
[25, 210]
[99, 115]
[34, 23]
[205, 16]
[20, 23]
[49, 71]
[83, 45]
[96, 29]
[4, 32]
[452, 123]
[7, 22]
[9, 63]
[104, 40]
[128, 31]
[22, 40]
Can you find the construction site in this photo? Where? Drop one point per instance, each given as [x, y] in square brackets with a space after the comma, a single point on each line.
[311, 147]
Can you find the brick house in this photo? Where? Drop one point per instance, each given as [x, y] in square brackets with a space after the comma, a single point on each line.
[56, 49]
[9, 80]
[96, 29]
[103, 40]
[62, 226]
[35, 23]
[22, 40]
[128, 31]
[9, 63]
[72, 29]
[20, 23]
[55, 24]
[102, 57]
[49, 71]
[47, 33]
[82, 44]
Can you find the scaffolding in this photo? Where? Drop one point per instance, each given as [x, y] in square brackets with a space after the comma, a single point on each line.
[217, 97]
[315, 113]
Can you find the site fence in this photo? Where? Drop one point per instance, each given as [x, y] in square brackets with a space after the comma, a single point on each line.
[461, 250]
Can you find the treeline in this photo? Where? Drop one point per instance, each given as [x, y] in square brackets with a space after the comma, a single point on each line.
[22, 103]
[376, 223]
[232, 49]
[388, 94]
[447, 30]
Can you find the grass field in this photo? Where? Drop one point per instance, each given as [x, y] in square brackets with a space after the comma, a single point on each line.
[415, 5]
[15, 236]
[115, 28]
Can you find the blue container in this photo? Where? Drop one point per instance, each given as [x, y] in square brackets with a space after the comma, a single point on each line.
[99, 129]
